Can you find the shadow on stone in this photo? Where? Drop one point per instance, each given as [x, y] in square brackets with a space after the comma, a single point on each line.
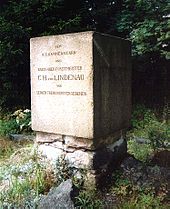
[107, 161]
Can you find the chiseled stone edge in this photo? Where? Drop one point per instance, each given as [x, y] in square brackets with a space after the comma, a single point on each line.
[79, 143]
[98, 159]
[72, 142]
[44, 137]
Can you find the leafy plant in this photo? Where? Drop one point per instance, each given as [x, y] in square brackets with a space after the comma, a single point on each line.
[17, 26]
[8, 126]
[23, 119]
[28, 178]
[132, 196]
[154, 133]
[88, 199]
[17, 122]
[148, 32]
[139, 151]
[141, 117]
[159, 136]
[62, 170]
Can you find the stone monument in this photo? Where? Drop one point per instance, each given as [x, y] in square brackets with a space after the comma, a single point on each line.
[81, 97]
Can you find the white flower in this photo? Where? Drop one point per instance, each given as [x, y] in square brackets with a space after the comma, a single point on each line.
[27, 110]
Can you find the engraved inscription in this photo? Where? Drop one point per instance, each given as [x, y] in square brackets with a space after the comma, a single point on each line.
[58, 53]
[61, 68]
[58, 46]
[67, 93]
[61, 77]
[53, 73]
[62, 84]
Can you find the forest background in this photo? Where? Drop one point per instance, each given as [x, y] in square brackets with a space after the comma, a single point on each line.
[145, 22]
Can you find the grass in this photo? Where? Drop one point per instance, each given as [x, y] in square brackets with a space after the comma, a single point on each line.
[25, 176]
[8, 147]
[155, 131]
[133, 196]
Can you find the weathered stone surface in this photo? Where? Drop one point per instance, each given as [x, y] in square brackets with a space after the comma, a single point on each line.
[88, 159]
[71, 141]
[52, 153]
[112, 84]
[99, 159]
[58, 198]
[62, 84]
[81, 86]
[48, 137]
[80, 159]
[58, 145]
[81, 97]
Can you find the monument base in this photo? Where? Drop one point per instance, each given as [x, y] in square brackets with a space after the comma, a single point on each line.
[81, 153]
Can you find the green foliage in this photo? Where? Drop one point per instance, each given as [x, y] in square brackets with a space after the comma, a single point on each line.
[17, 26]
[14, 197]
[147, 25]
[159, 135]
[145, 22]
[7, 127]
[62, 170]
[88, 199]
[17, 122]
[147, 126]
[145, 201]
[23, 120]
[139, 151]
[141, 117]
[28, 178]
[132, 196]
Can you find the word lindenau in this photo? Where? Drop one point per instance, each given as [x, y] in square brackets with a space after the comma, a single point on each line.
[61, 77]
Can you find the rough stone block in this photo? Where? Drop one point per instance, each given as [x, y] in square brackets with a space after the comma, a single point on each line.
[59, 197]
[48, 137]
[81, 143]
[52, 153]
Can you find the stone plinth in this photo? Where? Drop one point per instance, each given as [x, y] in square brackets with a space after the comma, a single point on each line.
[81, 85]
[80, 92]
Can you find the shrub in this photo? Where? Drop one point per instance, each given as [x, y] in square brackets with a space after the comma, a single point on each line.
[141, 117]
[159, 135]
[139, 151]
[23, 119]
[8, 126]
[17, 122]
[88, 199]
[62, 170]
[153, 131]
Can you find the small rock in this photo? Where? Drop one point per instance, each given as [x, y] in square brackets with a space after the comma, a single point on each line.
[59, 197]
[21, 137]
[141, 140]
